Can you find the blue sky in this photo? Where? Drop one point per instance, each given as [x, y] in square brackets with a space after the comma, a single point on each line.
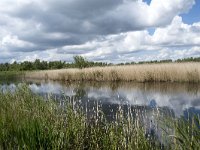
[193, 15]
[147, 1]
[100, 30]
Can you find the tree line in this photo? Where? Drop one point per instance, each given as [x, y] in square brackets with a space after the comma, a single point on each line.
[190, 59]
[79, 62]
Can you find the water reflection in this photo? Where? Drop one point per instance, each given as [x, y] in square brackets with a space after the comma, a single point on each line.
[181, 98]
[144, 102]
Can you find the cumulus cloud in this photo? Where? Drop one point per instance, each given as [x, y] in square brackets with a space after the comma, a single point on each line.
[178, 34]
[176, 40]
[98, 29]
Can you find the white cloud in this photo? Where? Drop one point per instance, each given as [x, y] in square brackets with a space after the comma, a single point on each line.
[163, 11]
[114, 30]
[177, 33]
[176, 40]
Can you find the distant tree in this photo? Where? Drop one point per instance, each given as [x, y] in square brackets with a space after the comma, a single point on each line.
[80, 62]
[26, 65]
[37, 64]
[166, 61]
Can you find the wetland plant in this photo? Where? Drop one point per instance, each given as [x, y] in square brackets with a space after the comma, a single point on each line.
[166, 72]
[28, 121]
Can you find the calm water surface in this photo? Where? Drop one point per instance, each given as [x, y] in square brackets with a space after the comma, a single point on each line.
[177, 98]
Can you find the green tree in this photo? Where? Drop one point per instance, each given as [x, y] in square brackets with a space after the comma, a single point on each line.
[80, 62]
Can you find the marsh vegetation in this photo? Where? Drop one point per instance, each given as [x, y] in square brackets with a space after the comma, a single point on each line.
[60, 121]
[164, 72]
[28, 121]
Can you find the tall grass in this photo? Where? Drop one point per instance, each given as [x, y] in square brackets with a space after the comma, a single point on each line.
[28, 121]
[169, 72]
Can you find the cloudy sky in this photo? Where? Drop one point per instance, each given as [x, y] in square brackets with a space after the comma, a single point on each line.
[100, 30]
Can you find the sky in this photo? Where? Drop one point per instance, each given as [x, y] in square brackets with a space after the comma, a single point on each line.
[100, 30]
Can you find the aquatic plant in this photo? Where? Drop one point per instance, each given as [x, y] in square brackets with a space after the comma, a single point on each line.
[28, 121]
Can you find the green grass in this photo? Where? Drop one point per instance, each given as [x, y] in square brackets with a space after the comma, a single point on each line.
[28, 121]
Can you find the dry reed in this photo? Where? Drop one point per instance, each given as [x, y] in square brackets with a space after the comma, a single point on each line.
[166, 72]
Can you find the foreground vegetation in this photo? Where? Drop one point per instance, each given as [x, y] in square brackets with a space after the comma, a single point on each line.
[165, 72]
[28, 121]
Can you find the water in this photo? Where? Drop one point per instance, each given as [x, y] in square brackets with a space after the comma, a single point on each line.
[146, 101]
[177, 98]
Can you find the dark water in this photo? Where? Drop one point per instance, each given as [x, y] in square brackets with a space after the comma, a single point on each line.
[176, 99]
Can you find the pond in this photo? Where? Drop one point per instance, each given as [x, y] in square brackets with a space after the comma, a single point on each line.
[146, 101]
[178, 99]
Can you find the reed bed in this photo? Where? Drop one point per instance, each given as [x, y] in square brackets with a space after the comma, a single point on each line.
[28, 121]
[166, 72]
